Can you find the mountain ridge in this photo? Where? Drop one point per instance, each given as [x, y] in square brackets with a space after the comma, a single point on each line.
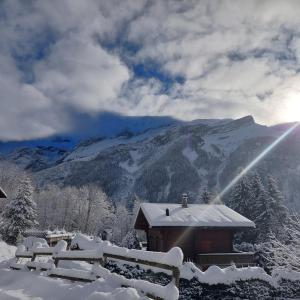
[160, 163]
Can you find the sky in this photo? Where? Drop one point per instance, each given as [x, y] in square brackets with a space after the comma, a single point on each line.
[186, 59]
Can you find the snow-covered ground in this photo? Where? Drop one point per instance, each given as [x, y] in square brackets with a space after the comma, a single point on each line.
[30, 285]
[26, 285]
[6, 251]
[34, 285]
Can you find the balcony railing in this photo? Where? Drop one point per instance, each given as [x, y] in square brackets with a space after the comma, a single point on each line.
[240, 259]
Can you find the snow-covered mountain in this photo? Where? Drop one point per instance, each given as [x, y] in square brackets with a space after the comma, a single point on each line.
[39, 154]
[161, 163]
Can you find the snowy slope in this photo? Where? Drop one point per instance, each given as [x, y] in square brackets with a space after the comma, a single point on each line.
[159, 164]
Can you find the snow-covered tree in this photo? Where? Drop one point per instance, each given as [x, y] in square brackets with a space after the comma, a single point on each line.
[206, 196]
[99, 213]
[262, 209]
[240, 200]
[131, 241]
[136, 203]
[10, 176]
[281, 213]
[121, 224]
[20, 213]
[86, 209]
[251, 199]
[283, 253]
[46, 205]
[269, 212]
[241, 197]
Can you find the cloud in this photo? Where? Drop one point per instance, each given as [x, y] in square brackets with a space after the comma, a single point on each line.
[235, 58]
[75, 72]
[80, 73]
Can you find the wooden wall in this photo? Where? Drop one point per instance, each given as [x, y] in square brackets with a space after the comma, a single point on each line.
[191, 240]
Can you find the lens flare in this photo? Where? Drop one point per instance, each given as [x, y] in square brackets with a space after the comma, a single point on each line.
[257, 159]
[245, 171]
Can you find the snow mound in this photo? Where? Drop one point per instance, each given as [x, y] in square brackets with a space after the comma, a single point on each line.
[29, 285]
[174, 257]
[30, 241]
[230, 275]
[6, 251]
[286, 274]
[167, 292]
[60, 246]
[83, 242]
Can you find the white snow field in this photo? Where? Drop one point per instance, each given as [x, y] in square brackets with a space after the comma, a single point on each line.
[24, 285]
[31, 285]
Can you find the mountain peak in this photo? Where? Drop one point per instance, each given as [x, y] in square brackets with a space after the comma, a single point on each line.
[245, 120]
[248, 118]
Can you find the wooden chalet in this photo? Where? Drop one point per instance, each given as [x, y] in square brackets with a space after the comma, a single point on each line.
[2, 194]
[204, 232]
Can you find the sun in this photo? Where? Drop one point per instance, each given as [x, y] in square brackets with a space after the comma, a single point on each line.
[291, 109]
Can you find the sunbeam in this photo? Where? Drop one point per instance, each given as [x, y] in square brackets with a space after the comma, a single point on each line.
[257, 160]
[244, 172]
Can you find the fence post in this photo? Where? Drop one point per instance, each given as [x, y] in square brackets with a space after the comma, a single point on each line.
[103, 260]
[56, 262]
[33, 256]
[176, 276]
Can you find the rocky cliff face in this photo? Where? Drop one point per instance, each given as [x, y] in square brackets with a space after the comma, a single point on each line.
[160, 164]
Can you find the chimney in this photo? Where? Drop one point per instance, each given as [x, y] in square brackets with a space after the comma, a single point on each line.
[184, 202]
[167, 212]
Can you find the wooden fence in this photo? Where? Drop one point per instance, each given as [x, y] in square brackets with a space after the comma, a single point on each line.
[239, 259]
[98, 258]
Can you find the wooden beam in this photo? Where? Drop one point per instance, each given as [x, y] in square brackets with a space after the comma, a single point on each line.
[175, 271]
[71, 278]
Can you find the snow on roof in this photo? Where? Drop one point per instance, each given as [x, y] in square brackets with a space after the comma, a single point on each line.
[196, 215]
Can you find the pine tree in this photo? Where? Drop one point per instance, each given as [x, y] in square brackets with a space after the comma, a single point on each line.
[241, 201]
[281, 212]
[278, 253]
[131, 241]
[241, 198]
[20, 214]
[120, 224]
[106, 212]
[262, 213]
[210, 197]
[135, 209]
[206, 196]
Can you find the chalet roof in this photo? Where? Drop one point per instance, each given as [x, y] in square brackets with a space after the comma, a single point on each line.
[2, 194]
[195, 215]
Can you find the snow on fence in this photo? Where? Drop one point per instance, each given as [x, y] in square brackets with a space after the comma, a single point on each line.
[98, 253]
[37, 250]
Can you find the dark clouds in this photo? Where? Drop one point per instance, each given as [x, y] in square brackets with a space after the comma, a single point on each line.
[233, 58]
